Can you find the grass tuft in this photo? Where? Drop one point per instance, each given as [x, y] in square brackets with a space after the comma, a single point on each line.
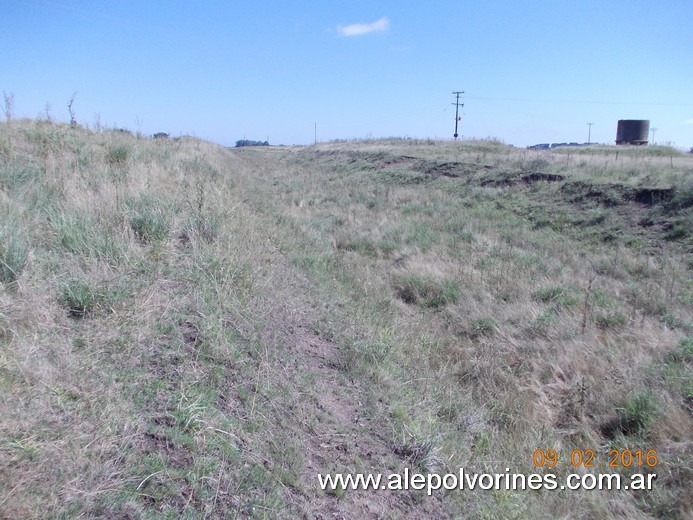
[80, 297]
[148, 218]
[426, 291]
[558, 296]
[13, 257]
[118, 155]
[483, 327]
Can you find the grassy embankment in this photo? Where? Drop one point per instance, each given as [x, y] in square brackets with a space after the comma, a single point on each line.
[190, 330]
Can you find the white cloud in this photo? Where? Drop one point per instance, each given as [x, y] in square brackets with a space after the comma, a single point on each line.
[359, 29]
[689, 121]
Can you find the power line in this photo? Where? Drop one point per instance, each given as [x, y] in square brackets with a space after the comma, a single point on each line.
[457, 109]
[585, 102]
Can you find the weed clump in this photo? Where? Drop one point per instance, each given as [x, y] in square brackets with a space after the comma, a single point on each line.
[426, 291]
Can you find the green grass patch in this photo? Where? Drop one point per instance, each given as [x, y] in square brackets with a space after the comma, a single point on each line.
[677, 370]
[420, 234]
[359, 244]
[426, 291]
[14, 255]
[610, 320]
[80, 297]
[388, 246]
[83, 297]
[558, 296]
[483, 327]
[80, 234]
[15, 176]
[118, 155]
[638, 413]
[148, 218]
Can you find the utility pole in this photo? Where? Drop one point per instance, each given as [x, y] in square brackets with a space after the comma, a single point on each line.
[457, 109]
[653, 131]
[589, 133]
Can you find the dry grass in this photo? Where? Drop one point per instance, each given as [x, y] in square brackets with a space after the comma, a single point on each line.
[189, 330]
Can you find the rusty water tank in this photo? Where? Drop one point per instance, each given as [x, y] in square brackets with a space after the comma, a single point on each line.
[632, 131]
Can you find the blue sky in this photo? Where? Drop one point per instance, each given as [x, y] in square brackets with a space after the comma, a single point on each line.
[532, 71]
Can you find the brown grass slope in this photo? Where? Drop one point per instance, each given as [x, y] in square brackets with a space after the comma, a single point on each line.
[190, 331]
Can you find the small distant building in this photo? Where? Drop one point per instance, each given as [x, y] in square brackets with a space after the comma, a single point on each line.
[632, 131]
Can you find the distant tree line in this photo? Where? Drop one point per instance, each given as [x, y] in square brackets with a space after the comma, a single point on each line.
[547, 146]
[248, 142]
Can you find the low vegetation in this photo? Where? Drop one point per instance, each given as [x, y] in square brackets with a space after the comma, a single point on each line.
[188, 330]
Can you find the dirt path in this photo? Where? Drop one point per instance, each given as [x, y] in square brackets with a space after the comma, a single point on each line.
[340, 430]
